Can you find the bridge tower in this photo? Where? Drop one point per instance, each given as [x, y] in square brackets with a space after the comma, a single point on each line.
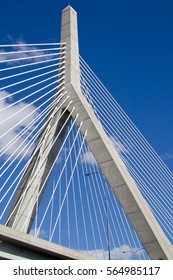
[113, 168]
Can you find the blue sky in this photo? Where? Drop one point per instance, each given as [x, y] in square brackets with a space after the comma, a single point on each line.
[129, 46]
[127, 43]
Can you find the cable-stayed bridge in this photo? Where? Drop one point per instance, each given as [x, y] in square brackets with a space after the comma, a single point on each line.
[78, 179]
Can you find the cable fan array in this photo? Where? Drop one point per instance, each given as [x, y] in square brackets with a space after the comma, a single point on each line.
[31, 85]
[152, 176]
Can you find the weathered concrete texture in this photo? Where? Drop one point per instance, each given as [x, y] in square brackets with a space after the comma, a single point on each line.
[16, 245]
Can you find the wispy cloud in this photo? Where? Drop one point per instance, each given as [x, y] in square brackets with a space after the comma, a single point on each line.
[167, 156]
[118, 145]
[24, 54]
[118, 253]
[12, 120]
[42, 233]
[88, 158]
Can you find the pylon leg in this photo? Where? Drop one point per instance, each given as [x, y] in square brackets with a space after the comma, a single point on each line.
[37, 173]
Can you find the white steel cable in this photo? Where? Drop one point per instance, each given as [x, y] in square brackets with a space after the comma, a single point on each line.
[36, 84]
[133, 146]
[94, 208]
[27, 51]
[30, 71]
[80, 191]
[59, 175]
[22, 171]
[67, 201]
[110, 104]
[52, 207]
[35, 151]
[98, 204]
[74, 195]
[116, 213]
[137, 167]
[25, 45]
[134, 154]
[60, 198]
[138, 157]
[138, 179]
[153, 206]
[77, 158]
[110, 198]
[88, 205]
[30, 57]
[28, 105]
[31, 64]
[27, 127]
[20, 120]
[129, 122]
[14, 158]
[25, 147]
[43, 160]
[106, 208]
[31, 94]
[32, 78]
[138, 244]
[50, 169]
[22, 196]
[110, 213]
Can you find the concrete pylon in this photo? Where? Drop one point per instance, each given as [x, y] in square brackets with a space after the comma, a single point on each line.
[36, 175]
[123, 185]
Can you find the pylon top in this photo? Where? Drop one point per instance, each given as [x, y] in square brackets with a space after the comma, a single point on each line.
[69, 7]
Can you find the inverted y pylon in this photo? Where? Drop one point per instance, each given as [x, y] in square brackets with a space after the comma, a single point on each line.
[123, 185]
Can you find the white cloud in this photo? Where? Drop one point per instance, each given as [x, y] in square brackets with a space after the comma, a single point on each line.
[25, 55]
[88, 157]
[15, 114]
[64, 152]
[12, 120]
[42, 233]
[118, 253]
[118, 145]
[167, 156]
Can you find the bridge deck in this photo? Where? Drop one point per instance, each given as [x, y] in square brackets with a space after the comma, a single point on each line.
[15, 245]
